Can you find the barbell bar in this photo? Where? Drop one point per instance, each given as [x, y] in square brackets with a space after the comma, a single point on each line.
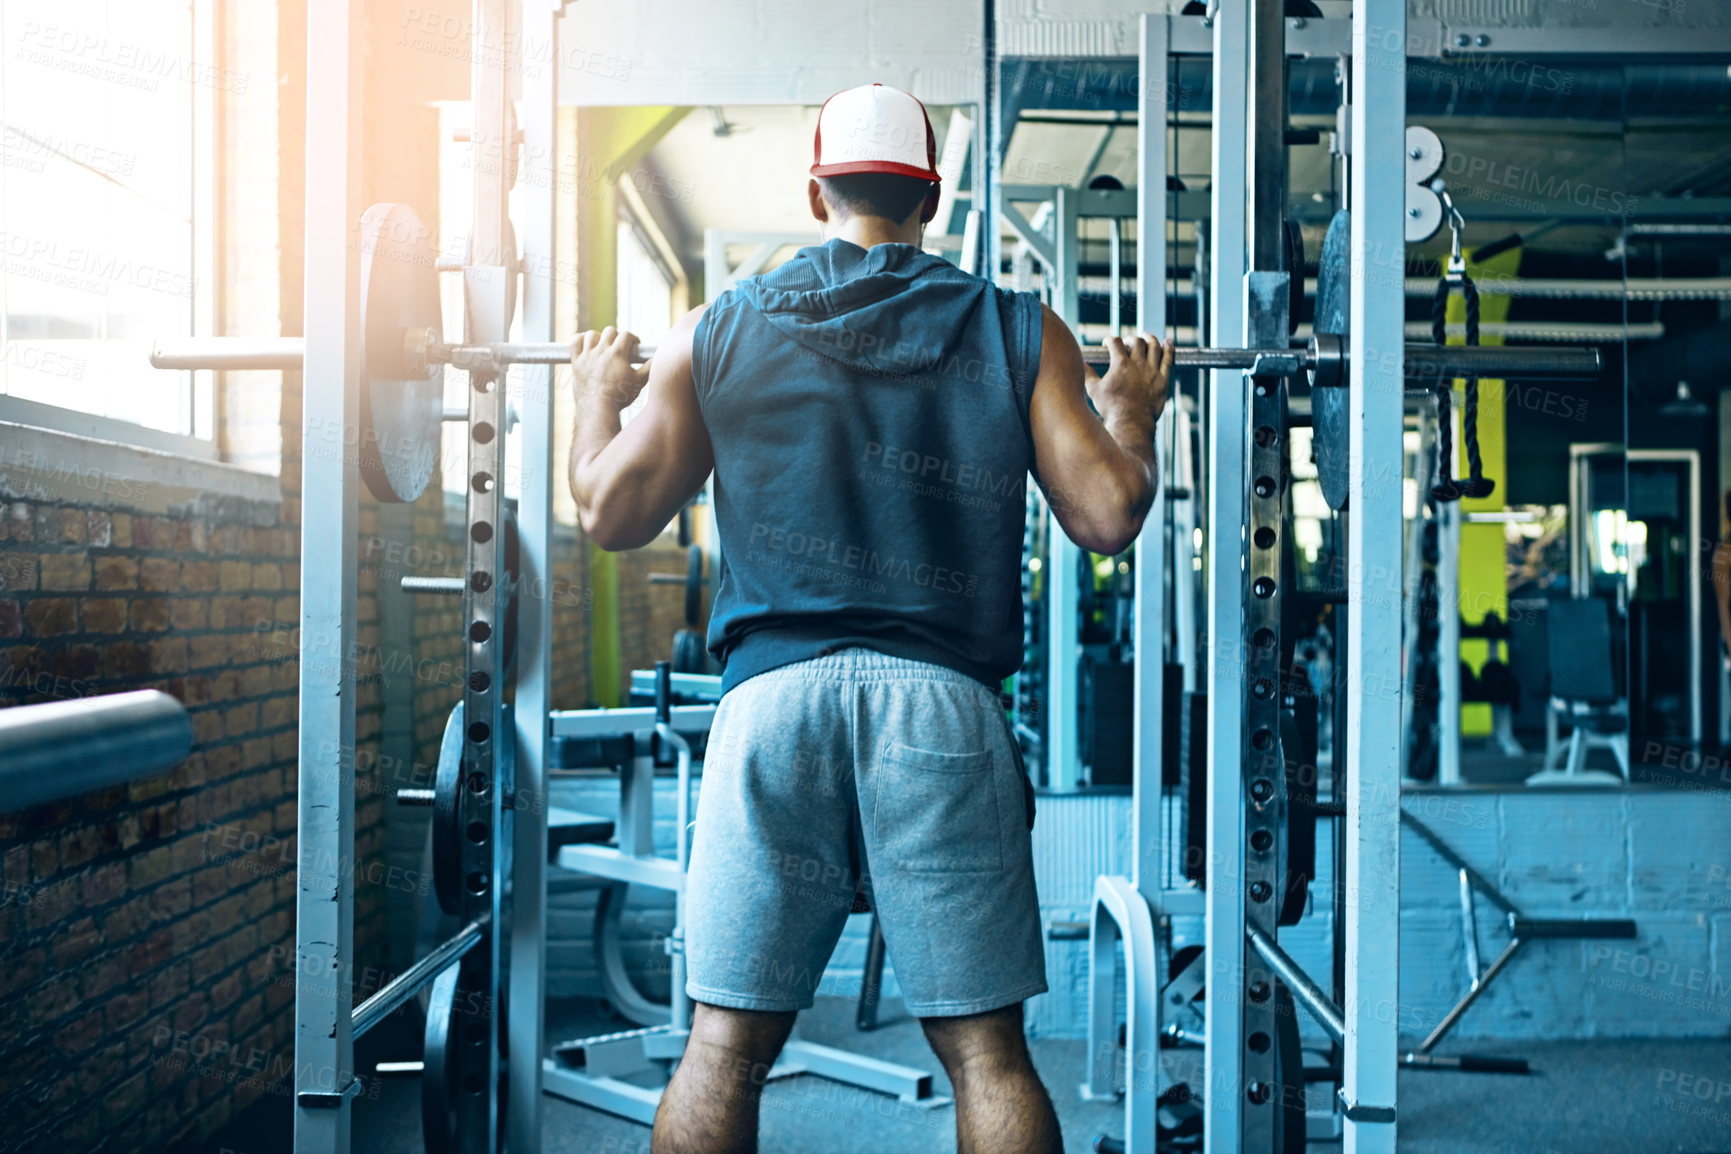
[1324, 359]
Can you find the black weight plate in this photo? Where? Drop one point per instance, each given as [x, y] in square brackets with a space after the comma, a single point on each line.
[1288, 1075]
[1329, 411]
[1294, 274]
[447, 823]
[401, 413]
[689, 654]
[694, 585]
[440, 1092]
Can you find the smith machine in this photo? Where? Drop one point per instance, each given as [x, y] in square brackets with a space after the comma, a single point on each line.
[373, 359]
[1225, 828]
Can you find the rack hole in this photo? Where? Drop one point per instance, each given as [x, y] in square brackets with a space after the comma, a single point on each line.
[1260, 891]
[1261, 789]
[1263, 689]
[1257, 1092]
[1258, 1042]
[1265, 537]
[483, 482]
[477, 832]
[477, 883]
[479, 682]
[481, 581]
[483, 433]
[1262, 740]
[1263, 587]
[479, 732]
[479, 632]
[481, 532]
[1263, 638]
[1259, 990]
[1264, 486]
[1261, 840]
[477, 783]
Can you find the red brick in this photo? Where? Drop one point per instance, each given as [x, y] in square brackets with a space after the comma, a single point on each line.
[104, 885]
[171, 900]
[85, 843]
[104, 615]
[199, 577]
[128, 918]
[208, 651]
[64, 572]
[99, 528]
[226, 992]
[241, 720]
[126, 1008]
[51, 616]
[64, 525]
[125, 1099]
[150, 614]
[151, 952]
[80, 1034]
[266, 575]
[159, 575]
[51, 1000]
[147, 869]
[234, 576]
[96, 1070]
[191, 1012]
[17, 572]
[124, 661]
[116, 573]
[122, 530]
[22, 970]
[187, 613]
[11, 619]
[169, 984]
[52, 903]
[99, 977]
[168, 655]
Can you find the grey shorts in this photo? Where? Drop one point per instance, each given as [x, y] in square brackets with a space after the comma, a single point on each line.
[863, 771]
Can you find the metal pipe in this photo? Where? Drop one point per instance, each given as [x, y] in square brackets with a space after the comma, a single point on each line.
[409, 983]
[1472, 995]
[60, 749]
[1469, 927]
[1308, 993]
[229, 353]
[433, 585]
[1422, 360]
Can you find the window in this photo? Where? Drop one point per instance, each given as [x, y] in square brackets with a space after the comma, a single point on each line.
[645, 285]
[106, 193]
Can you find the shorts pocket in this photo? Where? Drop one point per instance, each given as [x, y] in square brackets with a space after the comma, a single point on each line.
[937, 812]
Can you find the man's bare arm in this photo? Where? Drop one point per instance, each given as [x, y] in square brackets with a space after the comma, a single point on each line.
[1100, 472]
[629, 483]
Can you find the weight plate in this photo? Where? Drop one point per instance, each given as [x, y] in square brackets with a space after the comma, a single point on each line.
[1288, 1075]
[693, 585]
[401, 412]
[1330, 432]
[447, 822]
[449, 1040]
[1294, 256]
[689, 653]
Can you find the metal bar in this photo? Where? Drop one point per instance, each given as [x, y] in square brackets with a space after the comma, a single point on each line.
[1448, 581]
[1471, 996]
[409, 983]
[1308, 993]
[59, 749]
[1447, 853]
[1469, 926]
[1529, 928]
[330, 400]
[447, 585]
[1148, 721]
[525, 1017]
[229, 353]
[1377, 176]
[1224, 929]
[905, 1082]
[1063, 745]
[637, 720]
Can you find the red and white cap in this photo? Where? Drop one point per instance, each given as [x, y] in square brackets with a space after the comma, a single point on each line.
[874, 128]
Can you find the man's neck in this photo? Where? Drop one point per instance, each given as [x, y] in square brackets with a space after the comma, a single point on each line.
[867, 231]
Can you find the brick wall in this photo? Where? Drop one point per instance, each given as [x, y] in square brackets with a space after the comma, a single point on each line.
[140, 914]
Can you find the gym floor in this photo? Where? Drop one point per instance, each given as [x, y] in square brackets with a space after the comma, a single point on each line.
[1603, 1096]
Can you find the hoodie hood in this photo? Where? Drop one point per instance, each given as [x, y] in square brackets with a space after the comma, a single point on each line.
[892, 309]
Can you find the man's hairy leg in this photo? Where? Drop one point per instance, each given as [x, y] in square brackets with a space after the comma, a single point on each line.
[1001, 1106]
[710, 1106]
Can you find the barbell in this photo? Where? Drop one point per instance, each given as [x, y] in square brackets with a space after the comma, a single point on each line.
[403, 352]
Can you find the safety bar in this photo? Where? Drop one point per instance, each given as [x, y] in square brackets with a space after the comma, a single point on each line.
[410, 982]
[60, 749]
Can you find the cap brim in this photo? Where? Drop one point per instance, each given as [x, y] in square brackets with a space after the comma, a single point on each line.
[888, 167]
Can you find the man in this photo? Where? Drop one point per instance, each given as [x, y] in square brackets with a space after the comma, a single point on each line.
[870, 413]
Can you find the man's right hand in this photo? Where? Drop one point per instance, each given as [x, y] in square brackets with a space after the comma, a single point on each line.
[1138, 376]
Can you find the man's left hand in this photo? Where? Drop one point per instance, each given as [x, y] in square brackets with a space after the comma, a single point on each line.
[602, 365]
